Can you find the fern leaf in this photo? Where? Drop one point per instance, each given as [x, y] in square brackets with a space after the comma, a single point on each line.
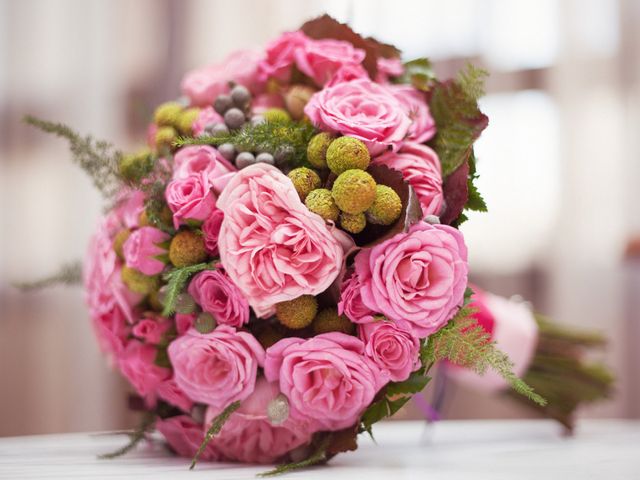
[176, 281]
[214, 429]
[69, 274]
[135, 437]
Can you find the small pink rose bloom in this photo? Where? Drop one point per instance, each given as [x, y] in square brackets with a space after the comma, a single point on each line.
[190, 199]
[350, 303]
[280, 56]
[250, 437]
[420, 168]
[184, 321]
[197, 159]
[271, 246]
[169, 391]
[143, 250]
[388, 67]
[184, 436]
[214, 291]
[137, 365]
[391, 348]
[211, 231]
[321, 59]
[216, 368]
[130, 206]
[414, 102]
[203, 85]
[347, 73]
[417, 279]
[327, 378]
[151, 330]
[361, 109]
[207, 116]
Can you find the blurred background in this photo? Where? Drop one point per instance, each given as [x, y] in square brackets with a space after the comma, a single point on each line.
[559, 165]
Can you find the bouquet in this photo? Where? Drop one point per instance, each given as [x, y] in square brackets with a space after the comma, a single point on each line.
[551, 358]
[281, 267]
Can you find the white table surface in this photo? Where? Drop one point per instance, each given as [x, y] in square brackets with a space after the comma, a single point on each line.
[460, 450]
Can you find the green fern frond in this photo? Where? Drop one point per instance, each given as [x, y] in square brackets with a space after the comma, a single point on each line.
[319, 455]
[176, 281]
[214, 429]
[69, 274]
[97, 158]
[135, 437]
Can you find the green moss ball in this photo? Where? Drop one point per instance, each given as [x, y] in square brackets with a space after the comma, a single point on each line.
[167, 114]
[354, 191]
[317, 150]
[304, 180]
[353, 223]
[386, 207]
[321, 201]
[346, 153]
[187, 248]
[297, 313]
[185, 121]
[328, 320]
[276, 115]
[165, 136]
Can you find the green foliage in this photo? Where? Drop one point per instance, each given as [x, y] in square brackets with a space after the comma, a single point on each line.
[414, 384]
[268, 136]
[135, 437]
[319, 455]
[69, 274]
[463, 342]
[214, 429]
[459, 121]
[419, 73]
[176, 281]
[475, 201]
[96, 157]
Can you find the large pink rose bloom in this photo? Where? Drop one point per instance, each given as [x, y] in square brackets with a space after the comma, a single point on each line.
[321, 59]
[273, 248]
[350, 303]
[250, 437]
[391, 348]
[361, 109]
[169, 391]
[388, 67]
[190, 198]
[211, 231]
[214, 291]
[184, 436]
[417, 279]
[216, 368]
[414, 102]
[326, 378]
[143, 250]
[203, 85]
[280, 56]
[347, 73]
[420, 168]
[137, 364]
[195, 160]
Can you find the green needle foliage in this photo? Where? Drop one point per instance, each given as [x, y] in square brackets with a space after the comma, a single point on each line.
[69, 274]
[463, 342]
[214, 429]
[135, 437]
[176, 281]
[319, 455]
[269, 136]
[97, 158]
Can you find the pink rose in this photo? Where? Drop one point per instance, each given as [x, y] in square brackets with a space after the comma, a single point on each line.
[203, 85]
[280, 56]
[388, 67]
[347, 73]
[207, 116]
[130, 207]
[214, 291]
[273, 248]
[211, 231]
[137, 365]
[420, 168]
[248, 436]
[184, 321]
[151, 330]
[350, 303]
[361, 109]
[216, 368]
[184, 436]
[320, 59]
[169, 391]
[326, 378]
[195, 160]
[417, 279]
[423, 126]
[391, 348]
[190, 199]
[144, 250]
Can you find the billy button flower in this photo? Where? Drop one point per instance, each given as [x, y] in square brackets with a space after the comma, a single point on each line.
[304, 180]
[321, 201]
[118, 242]
[187, 248]
[167, 114]
[353, 223]
[187, 117]
[328, 320]
[138, 282]
[317, 149]
[386, 207]
[134, 167]
[354, 191]
[347, 153]
[297, 313]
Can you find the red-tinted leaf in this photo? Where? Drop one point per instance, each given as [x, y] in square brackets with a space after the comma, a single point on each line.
[456, 193]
